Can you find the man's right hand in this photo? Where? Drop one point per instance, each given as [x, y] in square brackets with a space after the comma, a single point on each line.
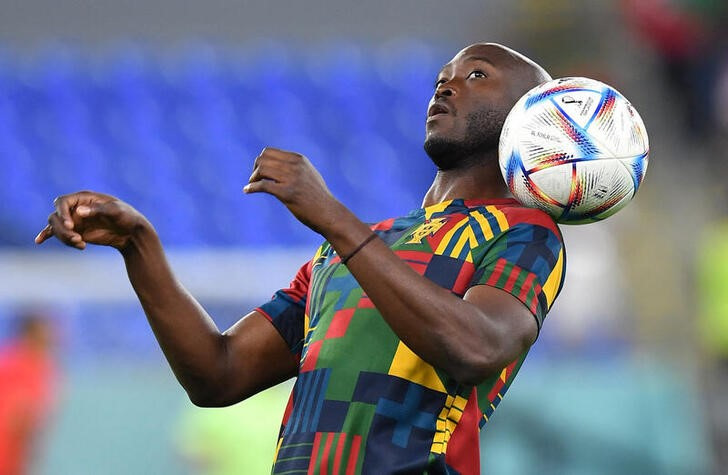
[215, 369]
[95, 218]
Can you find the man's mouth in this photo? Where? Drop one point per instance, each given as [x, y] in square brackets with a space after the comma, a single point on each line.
[437, 109]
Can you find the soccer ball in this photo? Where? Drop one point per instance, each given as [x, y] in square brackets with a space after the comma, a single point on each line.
[575, 148]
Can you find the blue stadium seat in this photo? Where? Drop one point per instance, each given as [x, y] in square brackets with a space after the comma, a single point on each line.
[176, 134]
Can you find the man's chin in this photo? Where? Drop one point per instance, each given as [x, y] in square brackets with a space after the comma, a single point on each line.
[443, 152]
[450, 149]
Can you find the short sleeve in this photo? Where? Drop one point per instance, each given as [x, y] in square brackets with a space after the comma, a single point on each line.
[528, 261]
[286, 309]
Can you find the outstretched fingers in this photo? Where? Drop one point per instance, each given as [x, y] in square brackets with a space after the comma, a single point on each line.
[44, 234]
[57, 227]
[95, 218]
[65, 223]
[270, 170]
[264, 185]
[60, 223]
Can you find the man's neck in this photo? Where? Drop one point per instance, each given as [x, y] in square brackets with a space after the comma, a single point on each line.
[471, 183]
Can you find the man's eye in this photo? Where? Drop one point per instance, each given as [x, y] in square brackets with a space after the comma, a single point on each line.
[438, 82]
[477, 74]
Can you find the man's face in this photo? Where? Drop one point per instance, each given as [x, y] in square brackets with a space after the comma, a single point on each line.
[471, 100]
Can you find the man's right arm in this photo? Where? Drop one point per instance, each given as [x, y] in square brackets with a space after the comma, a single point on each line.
[216, 369]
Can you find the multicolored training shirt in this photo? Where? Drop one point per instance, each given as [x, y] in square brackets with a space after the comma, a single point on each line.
[363, 401]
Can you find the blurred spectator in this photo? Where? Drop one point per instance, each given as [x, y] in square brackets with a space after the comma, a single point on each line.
[712, 277]
[232, 440]
[557, 34]
[689, 37]
[27, 382]
[722, 93]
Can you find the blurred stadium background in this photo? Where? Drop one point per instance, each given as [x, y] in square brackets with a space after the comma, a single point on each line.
[165, 104]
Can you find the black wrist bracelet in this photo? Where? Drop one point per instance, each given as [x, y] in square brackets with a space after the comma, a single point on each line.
[369, 239]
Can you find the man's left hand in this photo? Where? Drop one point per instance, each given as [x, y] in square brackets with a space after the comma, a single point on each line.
[291, 178]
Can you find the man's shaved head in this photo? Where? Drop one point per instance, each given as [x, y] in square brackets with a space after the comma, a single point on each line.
[527, 74]
[474, 93]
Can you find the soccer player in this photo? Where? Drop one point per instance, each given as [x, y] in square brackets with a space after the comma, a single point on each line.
[404, 335]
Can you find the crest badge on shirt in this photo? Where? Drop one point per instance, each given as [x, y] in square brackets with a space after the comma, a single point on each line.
[428, 228]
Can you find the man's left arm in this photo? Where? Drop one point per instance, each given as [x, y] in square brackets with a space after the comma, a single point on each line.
[471, 338]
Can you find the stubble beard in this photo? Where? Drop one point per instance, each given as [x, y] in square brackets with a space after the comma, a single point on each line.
[480, 141]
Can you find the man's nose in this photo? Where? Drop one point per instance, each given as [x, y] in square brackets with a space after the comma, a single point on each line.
[445, 90]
